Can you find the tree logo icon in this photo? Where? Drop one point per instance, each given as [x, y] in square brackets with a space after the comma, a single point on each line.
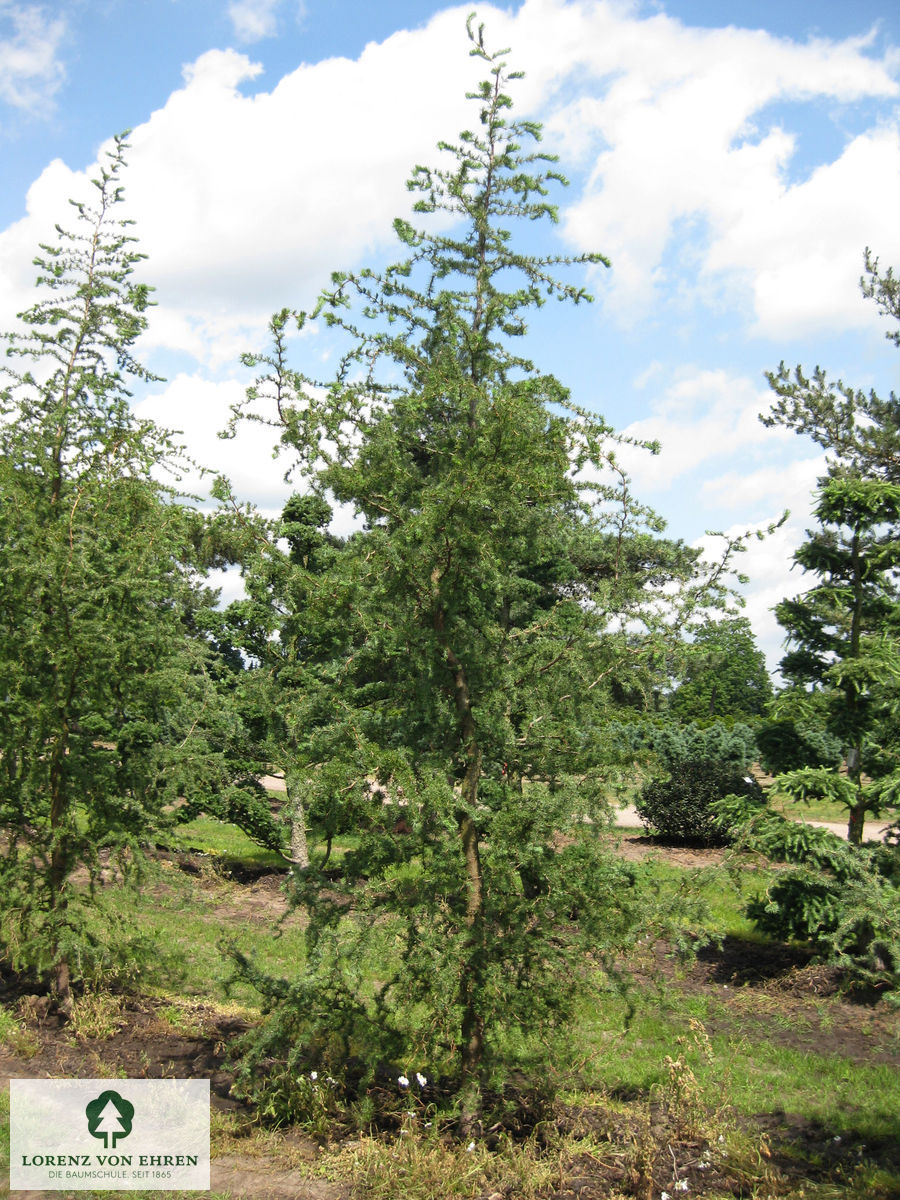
[109, 1116]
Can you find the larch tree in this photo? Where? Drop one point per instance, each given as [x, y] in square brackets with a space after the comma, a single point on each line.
[504, 575]
[101, 686]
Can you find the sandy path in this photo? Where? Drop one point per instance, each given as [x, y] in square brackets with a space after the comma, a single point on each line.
[874, 830]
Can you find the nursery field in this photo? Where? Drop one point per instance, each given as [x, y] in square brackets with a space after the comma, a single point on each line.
[744, 1070]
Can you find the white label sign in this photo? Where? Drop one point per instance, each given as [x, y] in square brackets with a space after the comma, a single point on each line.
[119, 1134]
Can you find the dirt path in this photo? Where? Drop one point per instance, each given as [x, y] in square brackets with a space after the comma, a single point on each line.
[628, 818]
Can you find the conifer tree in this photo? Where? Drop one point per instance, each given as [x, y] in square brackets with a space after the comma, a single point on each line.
[846, 641]
[845, 631]
[100, 684]
[724, 674]
[503, 577]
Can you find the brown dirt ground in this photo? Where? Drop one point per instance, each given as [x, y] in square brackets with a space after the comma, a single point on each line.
[768, 991]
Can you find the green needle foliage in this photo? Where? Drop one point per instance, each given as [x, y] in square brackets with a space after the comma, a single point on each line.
[842, 900]
[458, 654]
[100, 684]
[846, 635]
[724, 676]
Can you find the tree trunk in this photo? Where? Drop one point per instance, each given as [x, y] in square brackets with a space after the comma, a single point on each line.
[472, 969]
[857, 810]
[297, 817]
[60, 984]
[471, 980]
[855, 826]
[470, 983]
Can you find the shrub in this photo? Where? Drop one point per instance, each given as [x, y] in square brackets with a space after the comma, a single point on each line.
[840, 899]
[702, 766]
[786, 745]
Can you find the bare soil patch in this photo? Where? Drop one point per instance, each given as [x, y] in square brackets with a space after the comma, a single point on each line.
[637, 847]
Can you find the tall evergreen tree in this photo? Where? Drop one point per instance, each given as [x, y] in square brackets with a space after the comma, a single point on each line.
[846, 641]
[504, 577]
[724, 674]
[100, 685]
[846, 630]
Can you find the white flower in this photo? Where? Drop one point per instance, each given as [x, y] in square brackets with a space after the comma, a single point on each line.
[836, 1138]
[314, 1075]
[470, 1147]
[420, 1079]
[403, 1081]
[663, 1196]
[681, 1185]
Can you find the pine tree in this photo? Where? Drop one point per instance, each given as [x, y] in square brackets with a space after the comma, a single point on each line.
[473, 628]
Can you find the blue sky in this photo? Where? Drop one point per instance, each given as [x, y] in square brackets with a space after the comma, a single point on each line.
[732, 159]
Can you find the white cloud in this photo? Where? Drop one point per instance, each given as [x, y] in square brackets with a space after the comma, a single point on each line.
[801, 246]
[686, 152]
[768, 562]
[701, 417]
[247, 203]
[198, 409]
[787, 485]
[772, 576]
[45, 205]
[253, 20]
[30, 68]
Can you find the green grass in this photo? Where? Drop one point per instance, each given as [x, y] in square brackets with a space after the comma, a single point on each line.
[190, 926]
[722, 890]
[813, 810]
[746, 1063]
[211, 836]
[208, 835]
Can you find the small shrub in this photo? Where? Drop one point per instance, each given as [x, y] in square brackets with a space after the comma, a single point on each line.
[702, 766]
[842, 900]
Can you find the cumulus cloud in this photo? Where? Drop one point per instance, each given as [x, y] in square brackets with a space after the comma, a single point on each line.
[771, 573]
[686, 177]
[31, 70]
[687, 151]
[197, 408]
[246, 203]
